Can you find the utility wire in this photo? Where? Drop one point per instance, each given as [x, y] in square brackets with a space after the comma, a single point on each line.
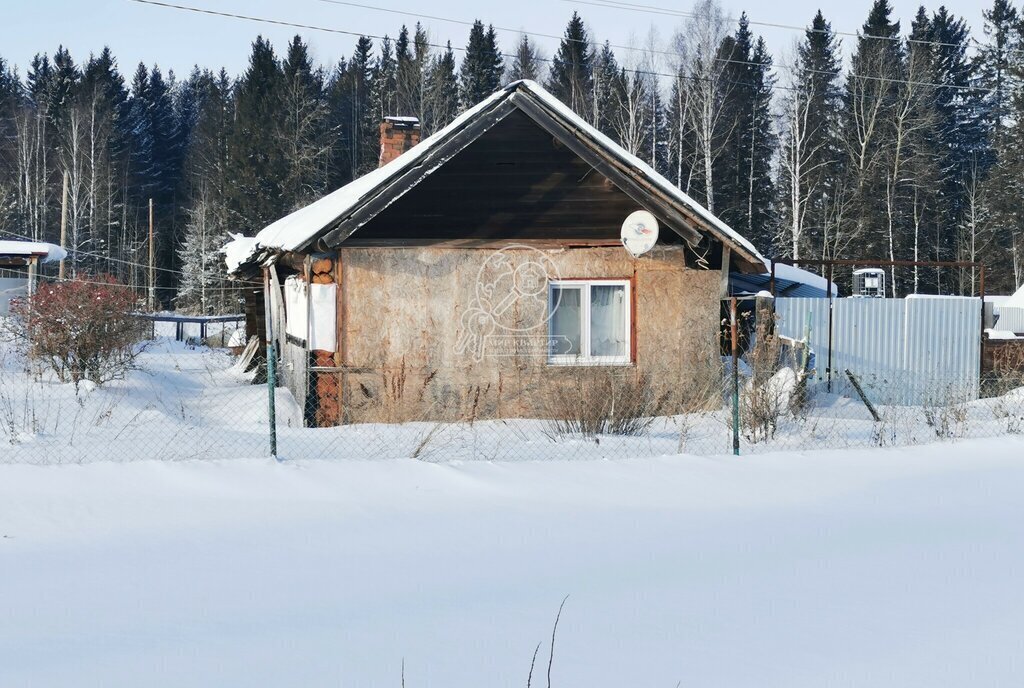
[312, 27]
[653, 9]
[668, 53]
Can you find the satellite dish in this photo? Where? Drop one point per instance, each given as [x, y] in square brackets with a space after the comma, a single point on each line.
[639, 233]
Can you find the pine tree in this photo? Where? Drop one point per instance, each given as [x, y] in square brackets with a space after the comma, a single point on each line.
[481, 69]
[571, 77]
[527, 63]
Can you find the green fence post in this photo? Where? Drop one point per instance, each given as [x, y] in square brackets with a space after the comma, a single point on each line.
[271, 386]
[735, 379]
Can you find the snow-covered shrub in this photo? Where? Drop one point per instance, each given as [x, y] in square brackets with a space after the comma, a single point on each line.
[82, 329]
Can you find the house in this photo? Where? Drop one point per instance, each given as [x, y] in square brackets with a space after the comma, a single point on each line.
[481, 271]
[19, 267]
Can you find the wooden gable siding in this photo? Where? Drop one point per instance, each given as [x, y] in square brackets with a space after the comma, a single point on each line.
[515, 182]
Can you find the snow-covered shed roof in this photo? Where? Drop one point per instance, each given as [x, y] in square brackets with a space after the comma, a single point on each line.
[1016, 300]
[238, 250]
[790, 281]
[330, 220]
[47, 253]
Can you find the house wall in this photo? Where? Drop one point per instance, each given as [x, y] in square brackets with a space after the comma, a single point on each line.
[402, 314]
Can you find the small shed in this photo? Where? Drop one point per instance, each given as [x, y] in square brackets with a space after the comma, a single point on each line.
[19, 268]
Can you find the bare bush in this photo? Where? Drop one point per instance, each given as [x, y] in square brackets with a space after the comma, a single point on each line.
[766, 387]
[1007, 368]
[604, 401]
[81, 329]
[946, 412]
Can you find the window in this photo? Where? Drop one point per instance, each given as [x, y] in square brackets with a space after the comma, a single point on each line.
[590, 322]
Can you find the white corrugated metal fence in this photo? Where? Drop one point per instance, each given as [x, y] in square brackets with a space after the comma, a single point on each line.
[916, 350]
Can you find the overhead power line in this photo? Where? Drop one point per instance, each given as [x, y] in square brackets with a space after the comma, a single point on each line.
[665, 11]
[313, 27]
[656, 51]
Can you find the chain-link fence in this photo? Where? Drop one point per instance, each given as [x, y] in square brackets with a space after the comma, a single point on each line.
[187, 400]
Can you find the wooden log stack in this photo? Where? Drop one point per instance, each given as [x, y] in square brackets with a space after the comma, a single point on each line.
[328, 397]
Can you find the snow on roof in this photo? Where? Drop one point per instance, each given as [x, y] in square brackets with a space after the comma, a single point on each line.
[1016, 300]
[239, 250]
[294, 231]
[1000, 334]
[795, 274]
[48, 252]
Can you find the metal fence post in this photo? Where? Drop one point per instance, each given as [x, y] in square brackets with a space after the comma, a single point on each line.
[271, 386]
[735, 378]
[268, 311]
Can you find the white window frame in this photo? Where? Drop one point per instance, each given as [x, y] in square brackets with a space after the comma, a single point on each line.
[584, 358]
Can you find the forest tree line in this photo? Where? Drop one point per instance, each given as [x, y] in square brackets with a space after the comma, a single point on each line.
[911, 150]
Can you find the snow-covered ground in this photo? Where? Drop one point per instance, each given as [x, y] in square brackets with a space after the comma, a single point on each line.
[884, 567]
[186, 402]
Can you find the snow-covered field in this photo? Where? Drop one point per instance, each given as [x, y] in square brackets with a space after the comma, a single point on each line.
[884, 567]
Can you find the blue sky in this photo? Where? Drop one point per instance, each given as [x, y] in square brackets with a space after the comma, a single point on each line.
[176, 40]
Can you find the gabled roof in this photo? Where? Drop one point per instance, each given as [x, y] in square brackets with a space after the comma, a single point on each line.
[327, 222]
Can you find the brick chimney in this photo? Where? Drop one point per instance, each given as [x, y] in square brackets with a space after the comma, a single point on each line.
[397, 135]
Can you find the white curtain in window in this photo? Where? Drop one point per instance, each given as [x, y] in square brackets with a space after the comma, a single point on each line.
[607, 320]
[566, 321]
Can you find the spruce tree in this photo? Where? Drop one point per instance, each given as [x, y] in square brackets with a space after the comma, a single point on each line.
[303, 127]
[527, 62]
[256, 162]
[609, 86]
[481, 69]
[876, 68]
[204, 286]
[820, 156]
[339, 126]
[997, 65]
[571, 77]
[744, 188]
[406, 75]
[363, 120]
[384, 83]
[442, 87]
[963, 152]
